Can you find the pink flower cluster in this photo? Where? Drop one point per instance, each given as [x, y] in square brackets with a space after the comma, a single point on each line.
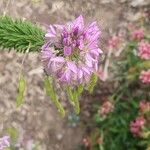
[138, 34]
[144, 106]
[139, 122]
[114, 42]
[144, 50]
[87, 142]
[4, 142]
[71, 52]
[136, 126]
[145, 76]
[106, 108]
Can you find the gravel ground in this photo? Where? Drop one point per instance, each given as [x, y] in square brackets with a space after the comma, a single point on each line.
[37, 119]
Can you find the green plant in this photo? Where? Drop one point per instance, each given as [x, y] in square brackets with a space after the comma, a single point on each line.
[19, 34]
[113, 118]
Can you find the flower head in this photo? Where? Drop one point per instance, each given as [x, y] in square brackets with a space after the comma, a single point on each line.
[144, 50]
[138, 34]
[136, 126]
[145, 76]
[114, 42]
[87, 142]
[106, 108]
[71, 52]
[144, 106]
[4, 142]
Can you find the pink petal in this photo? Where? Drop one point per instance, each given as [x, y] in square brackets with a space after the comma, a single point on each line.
[78, 22]
[67, 50]
[51, 32]
[58, 59]
[68, 75]
[86, 70]
[72, 66]
[80, 73]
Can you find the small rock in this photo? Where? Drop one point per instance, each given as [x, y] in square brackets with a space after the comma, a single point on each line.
[59, 137]
[107, 1]
[133, 17]
[139, 3]
[123, 1]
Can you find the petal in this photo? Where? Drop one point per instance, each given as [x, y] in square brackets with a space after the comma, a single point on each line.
[86, 70]
[78, 22]
[59, 27]
[68, 75]
[99, 50]
[93, 28]
[72, 66]
[58, 59]
[47, 53]
[51, 32]
[89, 58]
[95, 52]
[80, 73]
[93, 32]
[67, 50]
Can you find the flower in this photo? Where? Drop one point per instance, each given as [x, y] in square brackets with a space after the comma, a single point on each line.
[87, 142]
[4, 142]
[144, 50]
[114, 42]
[144, 106]
[136, 126]
[145, 76]
[71, 51]
[106, 108]
[137, 34]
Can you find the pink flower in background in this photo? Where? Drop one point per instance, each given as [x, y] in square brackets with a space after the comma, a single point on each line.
[145, 76]
[138, 34]
[136, 126]
[144, 106]
[71, 52]
[87, 142]
[144, 50]
[106, 108]
[4, 142]
[114, 42]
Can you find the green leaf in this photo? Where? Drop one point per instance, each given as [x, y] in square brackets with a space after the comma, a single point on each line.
[73, 95]
[76, 102]
[92, 83]
[70, 95]
[13, 133]
[18, 34]
[98, 119]
[21, 89]
[53, 95]
[80, 89]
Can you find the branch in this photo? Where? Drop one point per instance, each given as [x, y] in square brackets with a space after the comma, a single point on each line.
[19, 34]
